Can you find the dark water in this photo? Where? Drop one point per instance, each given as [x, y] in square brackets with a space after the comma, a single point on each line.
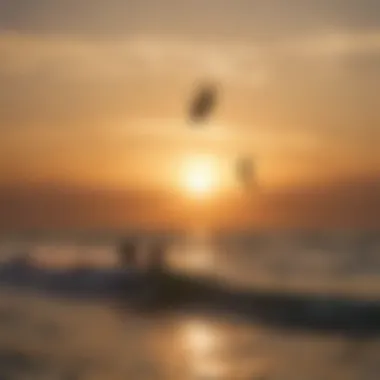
[241, 334]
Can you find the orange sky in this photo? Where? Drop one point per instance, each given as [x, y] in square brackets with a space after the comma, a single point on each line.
[94, 97]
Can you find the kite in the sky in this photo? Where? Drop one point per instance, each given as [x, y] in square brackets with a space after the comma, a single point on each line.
[203, 104]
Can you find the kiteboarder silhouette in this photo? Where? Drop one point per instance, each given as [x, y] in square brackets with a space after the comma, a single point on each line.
[245, 171]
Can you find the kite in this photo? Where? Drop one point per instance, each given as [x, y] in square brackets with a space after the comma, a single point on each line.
[203, 104]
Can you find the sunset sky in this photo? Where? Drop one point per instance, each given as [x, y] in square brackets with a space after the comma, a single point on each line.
[93, 101]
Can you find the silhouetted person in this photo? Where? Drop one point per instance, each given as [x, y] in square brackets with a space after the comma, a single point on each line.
[245, 171]
[128, 254]
[156, 263]
[21, 265]
[158, 278]
[22, 260]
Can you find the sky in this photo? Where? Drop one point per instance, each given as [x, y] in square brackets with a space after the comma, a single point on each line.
[94, 94]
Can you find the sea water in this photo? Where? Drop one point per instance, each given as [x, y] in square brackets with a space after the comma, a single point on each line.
[47, 335]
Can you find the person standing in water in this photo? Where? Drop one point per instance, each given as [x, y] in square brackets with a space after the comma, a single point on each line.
[156, 264]
[128, 257]
[128, 254]
[156, 273]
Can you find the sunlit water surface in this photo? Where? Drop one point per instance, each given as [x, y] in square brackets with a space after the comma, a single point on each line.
[46, 337]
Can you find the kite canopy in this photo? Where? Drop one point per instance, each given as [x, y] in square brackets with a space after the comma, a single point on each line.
[203, 104]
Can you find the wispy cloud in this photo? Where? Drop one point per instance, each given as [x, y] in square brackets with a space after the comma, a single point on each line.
[26, 54]
[308, 84]
[242, 61]
[244, 18]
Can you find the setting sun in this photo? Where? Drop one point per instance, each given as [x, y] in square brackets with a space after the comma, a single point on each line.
[200, 177]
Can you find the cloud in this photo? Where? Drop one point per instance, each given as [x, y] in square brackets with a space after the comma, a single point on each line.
[81, 59]
[245, 18]
[306, 94]
[325, 82]
[73, 61]
[24, 53]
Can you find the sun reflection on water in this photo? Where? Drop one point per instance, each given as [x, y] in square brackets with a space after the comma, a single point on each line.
[199, 338]
[201, 342]
[205, 348]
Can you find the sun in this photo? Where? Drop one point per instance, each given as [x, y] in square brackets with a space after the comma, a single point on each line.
[199, 177]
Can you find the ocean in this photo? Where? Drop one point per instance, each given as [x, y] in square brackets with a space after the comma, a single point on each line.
[298, 305]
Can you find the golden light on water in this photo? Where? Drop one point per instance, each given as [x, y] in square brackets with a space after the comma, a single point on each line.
[201, 341]
[201, 347]
[199, 337]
